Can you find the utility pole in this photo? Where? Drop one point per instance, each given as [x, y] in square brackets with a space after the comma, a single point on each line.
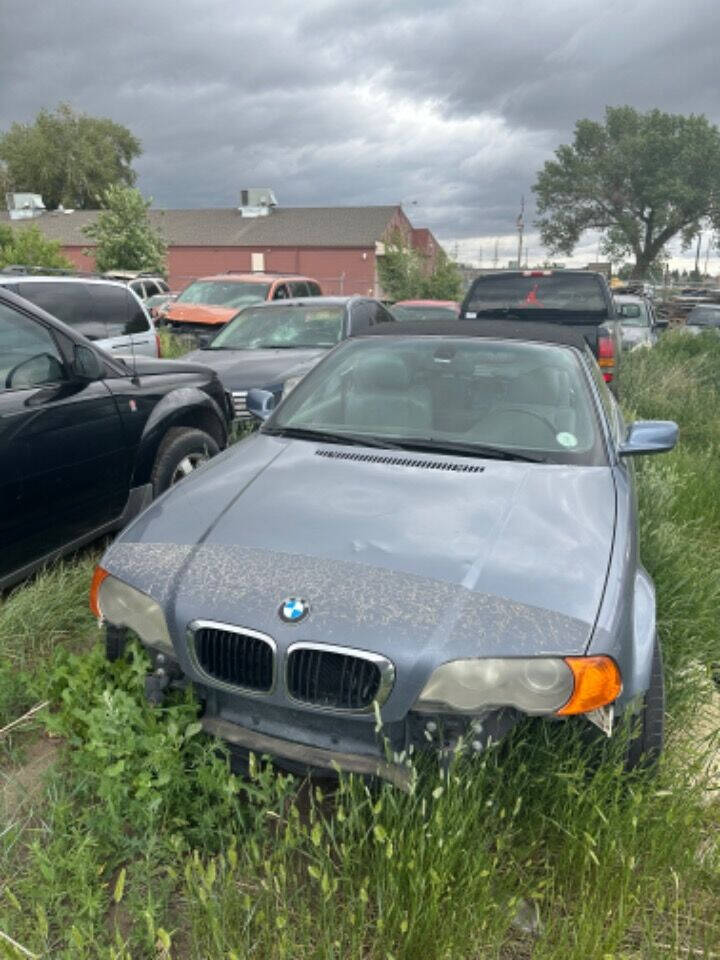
[480, 256]
[707, 255]
[697, 255]
[520, 230]
[495, 253]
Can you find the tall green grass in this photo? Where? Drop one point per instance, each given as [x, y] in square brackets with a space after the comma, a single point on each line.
[144, 844]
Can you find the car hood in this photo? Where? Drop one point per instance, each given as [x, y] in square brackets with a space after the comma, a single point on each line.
[244, 369]
[199, 313]
[394, 552]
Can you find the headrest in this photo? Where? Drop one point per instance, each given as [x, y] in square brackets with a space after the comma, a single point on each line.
[381, 373]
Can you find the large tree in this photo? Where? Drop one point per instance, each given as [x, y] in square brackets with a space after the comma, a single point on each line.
[124, 237]
[70, 158]
[640, 178]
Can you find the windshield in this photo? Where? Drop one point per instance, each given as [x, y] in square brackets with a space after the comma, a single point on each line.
[224, 293]
[436, 392]
[281, 327]
[424, 313]
[632, 314]
[563, 294]
[704, 317]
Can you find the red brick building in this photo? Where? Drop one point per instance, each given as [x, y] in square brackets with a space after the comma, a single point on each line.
[338, 246]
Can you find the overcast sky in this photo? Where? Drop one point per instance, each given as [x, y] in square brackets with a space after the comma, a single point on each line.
[449, 107]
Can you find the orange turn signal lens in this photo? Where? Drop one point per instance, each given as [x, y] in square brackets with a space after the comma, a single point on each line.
[98, 577]
[597, 682]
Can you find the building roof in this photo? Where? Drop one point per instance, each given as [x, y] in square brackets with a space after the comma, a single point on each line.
[226, 227]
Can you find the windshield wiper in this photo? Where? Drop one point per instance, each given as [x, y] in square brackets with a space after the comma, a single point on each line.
[466, 449]
[324, 436]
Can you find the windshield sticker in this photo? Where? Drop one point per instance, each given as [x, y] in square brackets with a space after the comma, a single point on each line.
[470, 315]
[566, 439]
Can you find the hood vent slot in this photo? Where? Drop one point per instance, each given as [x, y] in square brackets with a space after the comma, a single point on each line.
[443, 465]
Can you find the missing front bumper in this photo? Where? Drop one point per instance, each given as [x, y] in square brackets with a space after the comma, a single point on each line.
[312, 758]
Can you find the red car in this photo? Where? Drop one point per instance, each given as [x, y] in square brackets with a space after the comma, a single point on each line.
[426, 310]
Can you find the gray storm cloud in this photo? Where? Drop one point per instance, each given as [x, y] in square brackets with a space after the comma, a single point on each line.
[454, 106]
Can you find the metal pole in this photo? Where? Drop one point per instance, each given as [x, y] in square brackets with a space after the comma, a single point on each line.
[520, 227]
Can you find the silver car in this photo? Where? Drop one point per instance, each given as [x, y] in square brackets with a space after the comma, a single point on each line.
[105, 311]
[638, 322]
[435, 530]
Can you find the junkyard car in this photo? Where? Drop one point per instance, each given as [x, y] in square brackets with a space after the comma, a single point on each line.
[638, 324]
[273, 345]
[205, 305]
[86, 439]
[438, 523]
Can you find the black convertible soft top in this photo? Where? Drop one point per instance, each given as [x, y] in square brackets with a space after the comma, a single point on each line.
[493, 329]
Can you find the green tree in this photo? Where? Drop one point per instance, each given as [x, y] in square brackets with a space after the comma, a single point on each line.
[124, 237]
[404, 273]
[70, 158]
[642, 178]
[445, 282]
[27, 245]
[400, 269]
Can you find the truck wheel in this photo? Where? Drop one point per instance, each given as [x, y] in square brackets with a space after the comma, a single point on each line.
[115, 641]
[649, 726]
[182, 450]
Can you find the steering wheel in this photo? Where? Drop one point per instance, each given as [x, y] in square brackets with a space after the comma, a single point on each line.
[13, 371]
[531, 413]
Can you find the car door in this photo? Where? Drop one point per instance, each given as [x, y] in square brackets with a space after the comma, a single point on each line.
[65, 466]
[129, 328]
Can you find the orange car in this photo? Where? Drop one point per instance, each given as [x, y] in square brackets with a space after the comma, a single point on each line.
[209, 302]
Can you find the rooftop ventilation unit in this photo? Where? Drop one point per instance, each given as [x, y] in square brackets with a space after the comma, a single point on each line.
[256, 202]
[24, 206]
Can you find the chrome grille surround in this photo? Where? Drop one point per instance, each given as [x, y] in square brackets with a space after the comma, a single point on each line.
[385, 668]
[239, 398]
[230, 629]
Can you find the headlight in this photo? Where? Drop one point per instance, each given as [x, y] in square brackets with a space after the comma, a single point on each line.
[535, 685]
[124, 606]
[289, 385]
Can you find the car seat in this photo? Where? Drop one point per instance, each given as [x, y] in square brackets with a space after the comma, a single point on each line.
[381, 397]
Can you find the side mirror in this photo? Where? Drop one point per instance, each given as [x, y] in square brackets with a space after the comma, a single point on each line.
[260, 403]
[86, 364]
[649, 436]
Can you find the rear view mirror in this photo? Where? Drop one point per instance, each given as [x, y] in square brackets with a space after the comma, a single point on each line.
[86, 364]
[649, 436]
[260, 403]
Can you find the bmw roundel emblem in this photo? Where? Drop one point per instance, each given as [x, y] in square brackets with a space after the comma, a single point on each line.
[293, 610]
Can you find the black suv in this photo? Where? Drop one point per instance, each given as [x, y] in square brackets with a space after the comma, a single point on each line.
[579, 299]
[87, 440]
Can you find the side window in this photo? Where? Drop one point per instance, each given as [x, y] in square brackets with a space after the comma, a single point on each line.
[151, 288]
[69, 302]
[380, 314]
[164, 288]
[119, 309]
[281, 292]
[314, 289]
[298, 288]
[361, 316]
[29, 355]
[137, 287]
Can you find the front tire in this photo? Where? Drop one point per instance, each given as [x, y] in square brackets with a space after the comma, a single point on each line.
[648, 734]
[182, 451]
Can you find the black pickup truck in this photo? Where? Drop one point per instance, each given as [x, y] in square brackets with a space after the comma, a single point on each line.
[579, 299]
[87, 440]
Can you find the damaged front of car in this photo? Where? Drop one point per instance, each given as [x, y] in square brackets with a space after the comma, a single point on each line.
[309, 587]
